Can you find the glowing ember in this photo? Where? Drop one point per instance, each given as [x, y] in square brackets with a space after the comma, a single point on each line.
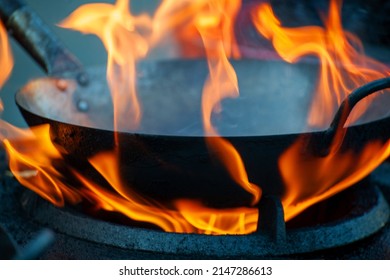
[334, 47]
[123, 36]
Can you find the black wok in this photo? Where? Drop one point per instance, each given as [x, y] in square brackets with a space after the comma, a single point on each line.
[167, 157]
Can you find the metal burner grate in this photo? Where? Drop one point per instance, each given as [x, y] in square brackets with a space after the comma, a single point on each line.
[366, 216]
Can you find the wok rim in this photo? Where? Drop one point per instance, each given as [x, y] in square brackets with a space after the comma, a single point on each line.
[45, 120]
[311, 131]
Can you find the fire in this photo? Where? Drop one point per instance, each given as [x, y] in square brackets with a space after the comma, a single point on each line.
[118, 30]
[241, 220]
[124, 38]
[6, 60]
[221, 83]
[334, 47]
[37, 163]
[344, 67]
[35, 167]
[125, 201]
[186, 216]
[41, 170]
[180, 18]
[310, 179]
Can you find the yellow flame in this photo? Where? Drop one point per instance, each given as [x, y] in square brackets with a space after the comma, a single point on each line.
[32, 158]
[36, 163]
[6, 60]
[179, 17]
[343, 65]
[124, 38]
[221, 83]
[310, 179]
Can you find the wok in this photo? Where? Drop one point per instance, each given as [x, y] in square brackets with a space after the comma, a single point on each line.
[167, 157]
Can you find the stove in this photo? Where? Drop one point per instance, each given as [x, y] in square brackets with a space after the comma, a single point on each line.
[351, 225]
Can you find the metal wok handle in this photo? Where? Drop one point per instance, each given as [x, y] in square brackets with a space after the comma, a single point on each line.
[39, 41]
[346, 107]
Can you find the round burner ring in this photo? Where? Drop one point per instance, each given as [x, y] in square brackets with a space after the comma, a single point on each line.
[360, 224]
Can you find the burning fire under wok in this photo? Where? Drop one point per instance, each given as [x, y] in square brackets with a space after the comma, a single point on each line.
[41, 164]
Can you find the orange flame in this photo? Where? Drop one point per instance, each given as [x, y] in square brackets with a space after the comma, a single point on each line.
[334, 47]
[125, 201]
[221, 83]
[180, 17]
[188, 216]
[32, 157]
[240, 220]
[122, 35]
[308, 178]
[118, 30]
[37, 164]
[6, 60]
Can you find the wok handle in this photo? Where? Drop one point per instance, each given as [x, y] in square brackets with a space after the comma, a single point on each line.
[39, 41]
[346, 107]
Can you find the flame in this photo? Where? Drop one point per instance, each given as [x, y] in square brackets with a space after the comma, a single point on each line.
[124, 38]
[334, 47]
[32, 159]
[6, 60]
[222, 83]
[242, 220]
[187, 216]
[37, 164]
[180, 18]
[310, 179]
[343, 66]
[125, 201]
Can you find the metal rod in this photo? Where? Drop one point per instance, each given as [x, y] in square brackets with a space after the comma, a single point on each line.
[321, 145]
[37, 246]
[271, 218]
[36, 37]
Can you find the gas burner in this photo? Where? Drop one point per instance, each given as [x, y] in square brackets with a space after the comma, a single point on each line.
[365, 217]
[357, 213]
[178, 156]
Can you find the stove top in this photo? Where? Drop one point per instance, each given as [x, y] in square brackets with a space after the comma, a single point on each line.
[40, 230]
